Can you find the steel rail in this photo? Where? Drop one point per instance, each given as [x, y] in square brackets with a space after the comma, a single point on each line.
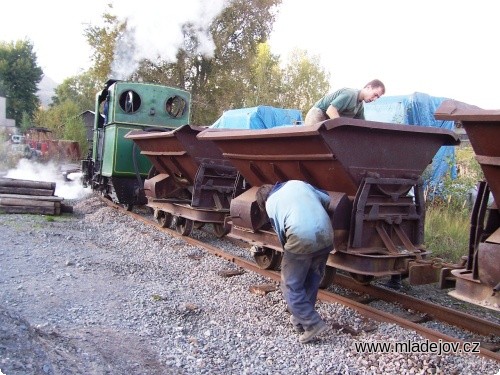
[442, 313]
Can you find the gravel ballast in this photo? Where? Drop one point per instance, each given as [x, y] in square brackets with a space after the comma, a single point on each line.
[95, 292]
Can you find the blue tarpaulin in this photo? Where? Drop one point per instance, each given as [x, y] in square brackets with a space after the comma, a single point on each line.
[417, 109]
[260, 117]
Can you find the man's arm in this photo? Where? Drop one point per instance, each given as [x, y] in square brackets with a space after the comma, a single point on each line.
[332, 112]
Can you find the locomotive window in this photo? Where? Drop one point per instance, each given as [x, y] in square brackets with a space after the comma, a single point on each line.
[130, 101]
[176, 106]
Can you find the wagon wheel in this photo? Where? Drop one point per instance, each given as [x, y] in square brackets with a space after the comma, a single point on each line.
[163, 218]
[183, 226]
[220, 230]
[128, 206]
[362, 279]
[328, 277]
[268, 259]
[198, 224]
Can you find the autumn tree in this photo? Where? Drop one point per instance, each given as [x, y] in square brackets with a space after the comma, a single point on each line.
[19, 78]
[304, 81]
[266, 78]
[103, 41]
[56, 117]
[223, 80]
[296, 85]
[241, 72]
[80, 89]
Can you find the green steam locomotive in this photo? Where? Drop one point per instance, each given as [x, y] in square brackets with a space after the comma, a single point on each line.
[114, 166]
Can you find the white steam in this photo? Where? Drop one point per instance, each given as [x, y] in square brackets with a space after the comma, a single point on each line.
[155, 30]
[50, 172]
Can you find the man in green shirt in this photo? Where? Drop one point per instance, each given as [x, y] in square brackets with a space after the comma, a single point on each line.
[345, 103]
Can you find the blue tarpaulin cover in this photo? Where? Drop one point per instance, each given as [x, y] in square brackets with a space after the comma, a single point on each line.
[260, 117]
[417, 109]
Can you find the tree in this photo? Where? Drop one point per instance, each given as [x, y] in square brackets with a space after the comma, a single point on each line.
[19, 77]
[241, 72]
[224, 80]
[304, 81]
[79, 89]
[74, 130]
[25, 123]
[266, 79]
[56, 118]
[103, 40]
[77, 94]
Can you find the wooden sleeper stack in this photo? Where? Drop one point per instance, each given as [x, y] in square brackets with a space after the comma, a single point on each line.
[29, 197]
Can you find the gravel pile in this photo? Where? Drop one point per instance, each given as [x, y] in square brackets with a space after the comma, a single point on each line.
[99, 293]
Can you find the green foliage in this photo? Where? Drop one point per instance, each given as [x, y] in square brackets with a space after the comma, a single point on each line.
[298, 85]
[265, 79]
[223, 80]
[242, 72]
[25, 123]
[19, 77]
[55, 117]
[456, 193]
[447, 233]
[304, 81]
[74, 130]
[447, 222]
[79, 89]
[103, 41]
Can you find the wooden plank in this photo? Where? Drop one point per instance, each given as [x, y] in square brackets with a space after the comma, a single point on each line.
[52, 198]
[25, 191]
[27, 210]
[26, 202]
[13, 182]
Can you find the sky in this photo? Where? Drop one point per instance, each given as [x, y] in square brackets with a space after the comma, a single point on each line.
[444, 48]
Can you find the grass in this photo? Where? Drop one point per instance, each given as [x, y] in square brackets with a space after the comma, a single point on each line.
[447, 233]
[447, 221]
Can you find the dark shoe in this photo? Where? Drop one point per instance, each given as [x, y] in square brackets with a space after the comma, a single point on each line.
[315, 330]
[297, 326]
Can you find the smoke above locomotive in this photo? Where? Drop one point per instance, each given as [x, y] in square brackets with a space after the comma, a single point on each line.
[155, 35]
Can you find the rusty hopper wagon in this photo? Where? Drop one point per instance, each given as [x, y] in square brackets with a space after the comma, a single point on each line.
[371, 170]
[479, 281]
[190, 182]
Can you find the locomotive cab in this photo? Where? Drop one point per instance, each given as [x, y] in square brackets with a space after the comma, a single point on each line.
[115, 168]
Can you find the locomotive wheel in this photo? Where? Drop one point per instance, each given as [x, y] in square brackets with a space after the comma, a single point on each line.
[164, 219]
[362, 279]
[220, 230]
[183, 226]
[268, 259]
[328, 277]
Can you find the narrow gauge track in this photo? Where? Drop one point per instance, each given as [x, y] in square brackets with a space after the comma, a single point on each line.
[437, 312]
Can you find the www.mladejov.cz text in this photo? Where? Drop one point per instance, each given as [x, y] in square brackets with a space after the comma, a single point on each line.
[435, 347]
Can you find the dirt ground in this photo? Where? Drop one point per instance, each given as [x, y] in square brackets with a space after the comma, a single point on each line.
[55, 283]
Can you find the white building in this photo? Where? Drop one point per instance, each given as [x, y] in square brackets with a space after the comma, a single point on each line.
[6, 124]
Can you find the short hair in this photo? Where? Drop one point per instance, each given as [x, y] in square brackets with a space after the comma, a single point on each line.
[376, 83]
[262, 195]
